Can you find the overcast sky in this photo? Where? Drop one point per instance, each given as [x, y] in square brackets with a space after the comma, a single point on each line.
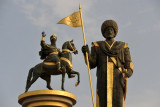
[21, 24]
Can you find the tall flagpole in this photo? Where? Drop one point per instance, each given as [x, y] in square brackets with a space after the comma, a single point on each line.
[87, 57]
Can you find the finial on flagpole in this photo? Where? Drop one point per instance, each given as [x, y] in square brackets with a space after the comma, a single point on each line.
[79, 6]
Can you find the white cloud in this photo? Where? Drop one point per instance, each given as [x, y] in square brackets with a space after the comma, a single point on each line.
[42, 12]
[145, 99]
[142, 30]
[156, 26]
[146, 10]
[37, 15]
[60, 7]
[127, 24]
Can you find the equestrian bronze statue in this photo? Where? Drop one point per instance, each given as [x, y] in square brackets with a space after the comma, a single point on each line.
[55, 63]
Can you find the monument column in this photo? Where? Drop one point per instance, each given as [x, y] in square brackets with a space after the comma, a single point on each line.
[47, 98]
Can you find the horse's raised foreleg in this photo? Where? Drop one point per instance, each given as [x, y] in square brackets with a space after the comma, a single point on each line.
[78, 76]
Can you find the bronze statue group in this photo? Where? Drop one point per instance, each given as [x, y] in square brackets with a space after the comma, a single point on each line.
[112, 59]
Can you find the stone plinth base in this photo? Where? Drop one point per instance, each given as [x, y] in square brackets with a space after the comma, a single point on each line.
[47, 98]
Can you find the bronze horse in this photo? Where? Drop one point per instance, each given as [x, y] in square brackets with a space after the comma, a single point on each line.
[45, 71]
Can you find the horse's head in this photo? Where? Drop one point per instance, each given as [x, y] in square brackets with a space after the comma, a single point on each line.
[69, 45]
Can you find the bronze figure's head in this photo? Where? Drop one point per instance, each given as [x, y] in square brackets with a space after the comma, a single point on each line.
[53, 38]
[109, 29]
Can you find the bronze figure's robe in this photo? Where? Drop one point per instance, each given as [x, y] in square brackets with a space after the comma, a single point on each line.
[110, 62]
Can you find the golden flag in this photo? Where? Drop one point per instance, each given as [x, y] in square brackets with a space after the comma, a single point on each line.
[73, 20]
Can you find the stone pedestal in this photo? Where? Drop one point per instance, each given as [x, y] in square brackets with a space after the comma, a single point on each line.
[47, 98]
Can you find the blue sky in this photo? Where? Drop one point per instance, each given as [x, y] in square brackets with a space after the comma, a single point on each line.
[21, 24]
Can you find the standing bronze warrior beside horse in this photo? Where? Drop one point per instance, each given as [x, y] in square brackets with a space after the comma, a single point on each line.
[55, 63]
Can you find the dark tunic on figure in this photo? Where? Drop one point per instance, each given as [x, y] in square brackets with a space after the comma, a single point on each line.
[46, 51]
[98, 58]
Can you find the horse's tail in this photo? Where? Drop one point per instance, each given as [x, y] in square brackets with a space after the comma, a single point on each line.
[29, 75]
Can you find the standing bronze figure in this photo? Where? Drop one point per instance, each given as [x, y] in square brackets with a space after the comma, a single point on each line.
[55, 63]
[113, 61]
